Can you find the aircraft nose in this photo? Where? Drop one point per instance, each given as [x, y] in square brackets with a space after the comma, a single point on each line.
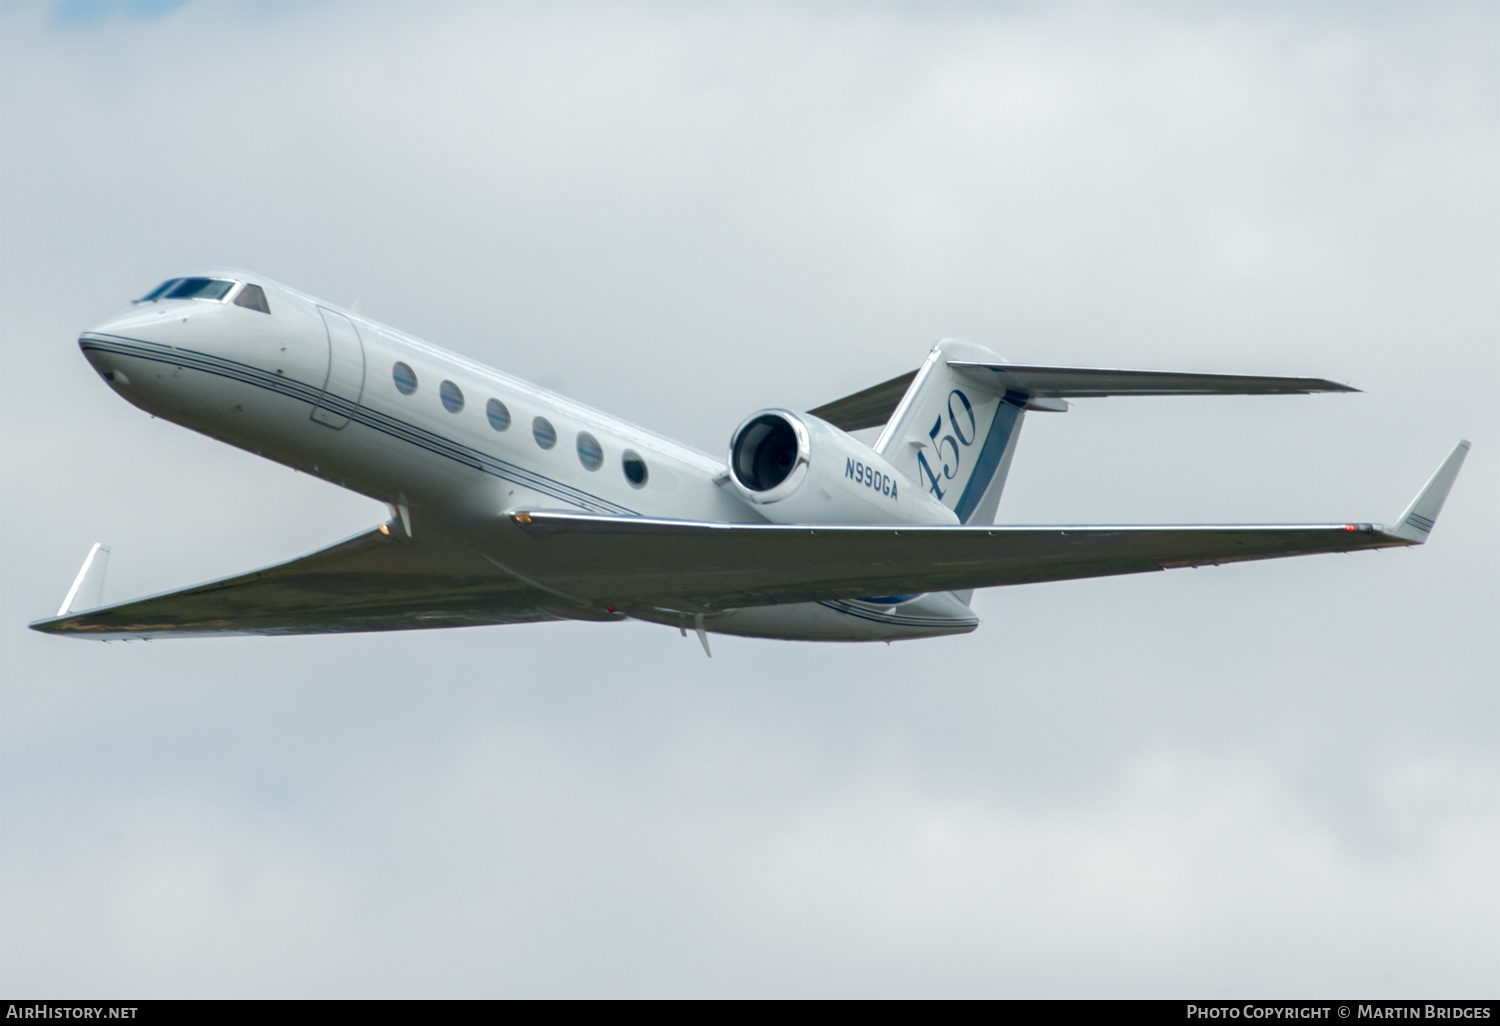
[110, 344]
[102, 348]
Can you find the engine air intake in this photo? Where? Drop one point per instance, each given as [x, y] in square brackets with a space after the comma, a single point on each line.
[765, 452]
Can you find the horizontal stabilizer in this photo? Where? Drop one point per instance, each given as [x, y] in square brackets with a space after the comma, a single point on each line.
[88, 587]
[867, 409]
[874, 406]
[1416, 523]
[1092, 383]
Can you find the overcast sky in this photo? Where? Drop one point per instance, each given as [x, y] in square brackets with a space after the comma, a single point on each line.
[1271, 779]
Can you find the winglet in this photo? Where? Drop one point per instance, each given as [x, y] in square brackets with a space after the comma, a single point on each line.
[1416, 523]
[88, 587]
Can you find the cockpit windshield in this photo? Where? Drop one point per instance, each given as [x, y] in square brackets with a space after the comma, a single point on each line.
[190, 288]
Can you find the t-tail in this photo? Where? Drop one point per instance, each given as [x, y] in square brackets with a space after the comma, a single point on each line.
[955, 434]
[952, 424]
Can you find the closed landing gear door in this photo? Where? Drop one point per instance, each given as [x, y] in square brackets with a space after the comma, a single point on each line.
[345, 381]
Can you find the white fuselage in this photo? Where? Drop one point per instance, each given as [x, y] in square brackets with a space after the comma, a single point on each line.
[384, 414]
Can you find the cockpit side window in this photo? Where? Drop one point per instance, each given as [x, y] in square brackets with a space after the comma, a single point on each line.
[198, 288]
[253, 297]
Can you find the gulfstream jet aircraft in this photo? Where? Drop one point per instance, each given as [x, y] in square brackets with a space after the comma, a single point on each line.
[510, 504]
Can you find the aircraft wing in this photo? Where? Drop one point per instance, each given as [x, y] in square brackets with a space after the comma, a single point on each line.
[702, 567]
[578, 562]
[550, 565]
[370, 582]
[699, 567]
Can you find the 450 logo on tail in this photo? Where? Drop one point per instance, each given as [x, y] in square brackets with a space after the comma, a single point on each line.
[948, 449]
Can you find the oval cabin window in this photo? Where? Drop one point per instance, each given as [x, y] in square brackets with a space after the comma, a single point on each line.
[634, 467]
[406, 379]
[590, 453]
[544, 433]
[452, 396]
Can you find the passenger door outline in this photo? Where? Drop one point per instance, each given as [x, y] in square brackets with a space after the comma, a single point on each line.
[344, 384]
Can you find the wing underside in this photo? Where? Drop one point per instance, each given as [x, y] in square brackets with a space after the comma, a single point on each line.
[371, 582]
[534, 566]
[704, 566]
[555, 565]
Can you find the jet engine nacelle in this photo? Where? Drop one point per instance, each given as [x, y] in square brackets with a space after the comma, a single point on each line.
[796, 469]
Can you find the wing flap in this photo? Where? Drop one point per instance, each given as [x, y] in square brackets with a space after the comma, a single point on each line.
[371, 582]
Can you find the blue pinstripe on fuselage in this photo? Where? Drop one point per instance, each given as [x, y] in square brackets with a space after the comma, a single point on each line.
[423, 438]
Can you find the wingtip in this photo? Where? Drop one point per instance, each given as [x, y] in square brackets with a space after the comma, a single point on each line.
[1419, 518]
[1325, 385]
[58, 625]
[88, 587]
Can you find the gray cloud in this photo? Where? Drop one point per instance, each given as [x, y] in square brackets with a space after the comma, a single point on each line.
[1269, 779]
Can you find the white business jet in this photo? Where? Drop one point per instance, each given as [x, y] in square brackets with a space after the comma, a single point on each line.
[510, 504]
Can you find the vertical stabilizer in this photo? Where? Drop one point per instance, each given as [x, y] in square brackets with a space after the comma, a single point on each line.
[954, 438]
